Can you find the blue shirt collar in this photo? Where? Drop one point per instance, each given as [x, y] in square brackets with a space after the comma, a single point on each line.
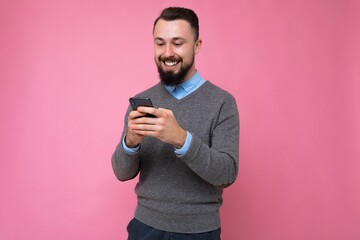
[188, 85]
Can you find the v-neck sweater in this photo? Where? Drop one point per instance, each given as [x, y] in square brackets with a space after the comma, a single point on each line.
[183, 193]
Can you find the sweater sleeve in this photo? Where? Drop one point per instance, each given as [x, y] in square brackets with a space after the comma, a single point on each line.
[217, 163]
[125, 165]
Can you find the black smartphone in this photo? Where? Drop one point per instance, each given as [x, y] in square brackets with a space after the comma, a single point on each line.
[136, 102]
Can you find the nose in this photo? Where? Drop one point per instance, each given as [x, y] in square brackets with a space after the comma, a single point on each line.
[169, 51]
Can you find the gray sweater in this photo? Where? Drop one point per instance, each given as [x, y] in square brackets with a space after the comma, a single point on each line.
[184, 193]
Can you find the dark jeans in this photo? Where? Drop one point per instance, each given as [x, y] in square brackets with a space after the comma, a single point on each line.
[140, 231]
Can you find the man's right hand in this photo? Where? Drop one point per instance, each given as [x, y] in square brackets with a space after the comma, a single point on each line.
[133, 139]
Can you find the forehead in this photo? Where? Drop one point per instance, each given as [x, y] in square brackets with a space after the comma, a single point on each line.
[173, 29]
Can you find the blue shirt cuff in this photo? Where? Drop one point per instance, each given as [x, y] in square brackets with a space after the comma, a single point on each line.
[185, 148]
[130, 150]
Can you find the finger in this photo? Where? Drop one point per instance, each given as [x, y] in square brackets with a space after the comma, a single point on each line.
[145, 133]
[135, 114]
[149, 110]
[163, 112]
[143, 127]
[144, 120]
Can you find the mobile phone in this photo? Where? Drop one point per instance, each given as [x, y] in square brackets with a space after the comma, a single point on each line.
[136, 102]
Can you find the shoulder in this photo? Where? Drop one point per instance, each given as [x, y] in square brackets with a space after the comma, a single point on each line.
[216, 93]
[152, 92]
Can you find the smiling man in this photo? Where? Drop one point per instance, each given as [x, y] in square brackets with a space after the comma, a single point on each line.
[175, 47]
[188, 152]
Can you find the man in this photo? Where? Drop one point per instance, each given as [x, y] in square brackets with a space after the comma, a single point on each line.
[188, 153]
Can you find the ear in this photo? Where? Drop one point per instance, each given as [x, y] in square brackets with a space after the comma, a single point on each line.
[197, 46]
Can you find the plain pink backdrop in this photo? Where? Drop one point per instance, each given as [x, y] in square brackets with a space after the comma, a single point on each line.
[68, 67]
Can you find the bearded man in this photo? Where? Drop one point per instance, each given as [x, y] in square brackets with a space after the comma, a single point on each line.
[187, 152]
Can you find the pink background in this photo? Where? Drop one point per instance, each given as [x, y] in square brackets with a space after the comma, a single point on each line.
[68, 67]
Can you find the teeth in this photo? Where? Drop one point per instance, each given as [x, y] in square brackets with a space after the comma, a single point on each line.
[170, 64]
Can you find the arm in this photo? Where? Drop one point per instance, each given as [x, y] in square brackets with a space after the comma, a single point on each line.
[217, 163]
[126, 164]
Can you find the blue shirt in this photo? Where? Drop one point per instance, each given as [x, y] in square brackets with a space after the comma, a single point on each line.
[179, 92]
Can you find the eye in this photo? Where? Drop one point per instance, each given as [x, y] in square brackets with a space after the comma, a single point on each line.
[178, 44]
[159, 43]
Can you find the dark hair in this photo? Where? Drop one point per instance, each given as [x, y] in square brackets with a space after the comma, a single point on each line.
[179, 13]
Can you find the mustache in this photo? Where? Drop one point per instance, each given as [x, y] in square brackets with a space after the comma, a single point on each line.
[173, 59]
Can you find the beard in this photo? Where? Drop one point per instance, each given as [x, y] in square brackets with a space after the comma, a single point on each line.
[169, 77]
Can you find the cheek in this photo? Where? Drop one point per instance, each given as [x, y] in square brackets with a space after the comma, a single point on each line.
[187, 54]
[182, 52]
[157, 54]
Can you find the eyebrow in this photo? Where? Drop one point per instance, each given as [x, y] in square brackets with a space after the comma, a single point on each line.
[174, 39]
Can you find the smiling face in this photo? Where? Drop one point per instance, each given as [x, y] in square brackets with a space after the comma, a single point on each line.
[175, 48]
